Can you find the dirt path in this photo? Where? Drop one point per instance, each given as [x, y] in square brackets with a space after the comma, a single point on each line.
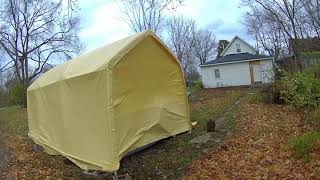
[259, 148]
[222, 126]
[4, 157]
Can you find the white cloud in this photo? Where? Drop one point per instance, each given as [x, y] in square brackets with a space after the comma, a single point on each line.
[223, 17]
[103, 23]
[204, 11]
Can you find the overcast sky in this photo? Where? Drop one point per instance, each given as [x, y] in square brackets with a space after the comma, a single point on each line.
[102, 23]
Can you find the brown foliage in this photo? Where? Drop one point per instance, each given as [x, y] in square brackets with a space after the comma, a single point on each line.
[259, 148]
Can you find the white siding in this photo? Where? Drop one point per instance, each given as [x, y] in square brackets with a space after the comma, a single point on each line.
[230, 75]
[267, 71]
[235, 74]
[232, 49]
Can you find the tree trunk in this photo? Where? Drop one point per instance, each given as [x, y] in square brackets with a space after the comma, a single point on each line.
[24, 100]
[24, 96]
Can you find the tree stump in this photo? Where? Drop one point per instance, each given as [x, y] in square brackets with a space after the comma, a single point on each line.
[211, 126]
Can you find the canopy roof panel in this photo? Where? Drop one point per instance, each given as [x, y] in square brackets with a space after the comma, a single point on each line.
[99, 59]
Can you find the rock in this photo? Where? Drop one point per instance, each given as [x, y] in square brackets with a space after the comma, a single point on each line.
[287, 162]
[242, 163]
[268, 159]
[205, 151]
[218, 140]
[100, 175]
[202, 138]
[225, 147]
[37, 148]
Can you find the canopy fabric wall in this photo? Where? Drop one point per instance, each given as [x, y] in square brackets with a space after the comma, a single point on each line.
[96, 108]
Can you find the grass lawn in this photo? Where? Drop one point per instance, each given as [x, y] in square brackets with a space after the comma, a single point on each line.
[168, 158]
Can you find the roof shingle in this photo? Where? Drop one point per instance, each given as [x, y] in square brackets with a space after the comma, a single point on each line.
[236, 58]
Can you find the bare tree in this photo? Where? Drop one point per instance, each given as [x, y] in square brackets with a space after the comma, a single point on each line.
[268, 34]
[285, 13]
[2, 81]
[284, 23]
[222, 46]
[205, 45]
[141, 15]
[312, 9]
[181, 39]
[35, 32]
[72, 6]
[192, 74]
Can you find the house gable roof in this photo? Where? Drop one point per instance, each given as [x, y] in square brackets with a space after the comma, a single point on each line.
[235, 58]
[232, 41]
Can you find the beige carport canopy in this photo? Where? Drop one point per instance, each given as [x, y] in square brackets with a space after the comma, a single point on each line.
[96, 108]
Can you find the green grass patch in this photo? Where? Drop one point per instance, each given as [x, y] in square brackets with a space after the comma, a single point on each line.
[214, 111]
[305, 143]
[14, 120]
[256, 97]
[196, 87]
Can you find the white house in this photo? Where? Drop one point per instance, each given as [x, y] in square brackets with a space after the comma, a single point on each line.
[238, 64]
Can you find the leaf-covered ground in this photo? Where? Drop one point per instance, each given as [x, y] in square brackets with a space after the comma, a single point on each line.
[24, 162]
[168, 158]
[259, 148]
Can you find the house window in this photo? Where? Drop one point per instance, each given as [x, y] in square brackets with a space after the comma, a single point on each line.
[238, 48]
[217, 73]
